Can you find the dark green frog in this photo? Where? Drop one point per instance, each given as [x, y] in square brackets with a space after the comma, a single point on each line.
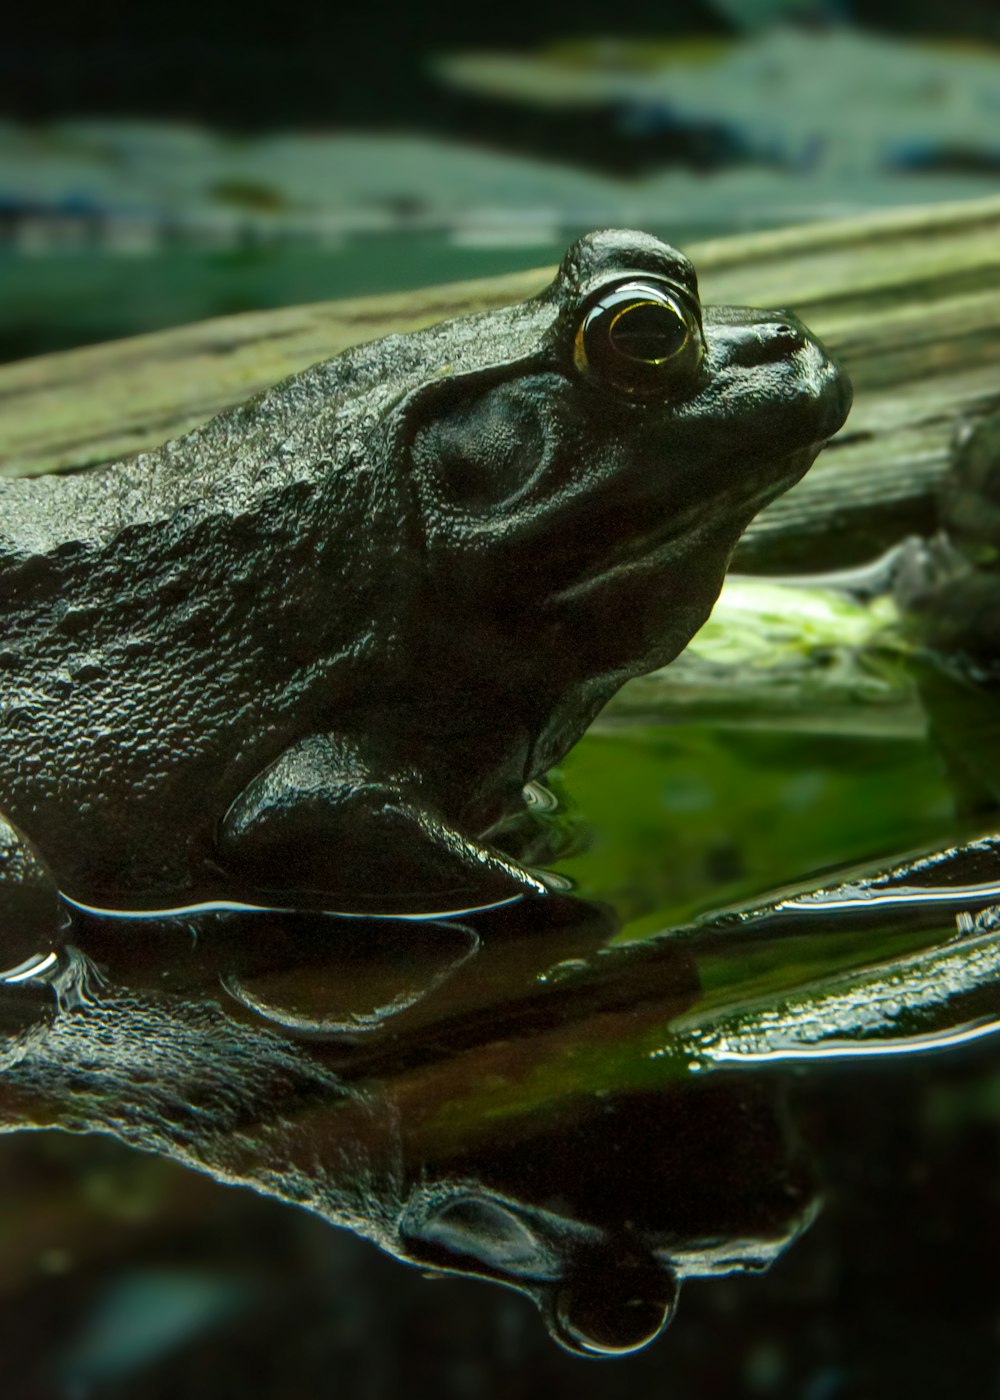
[314, 650]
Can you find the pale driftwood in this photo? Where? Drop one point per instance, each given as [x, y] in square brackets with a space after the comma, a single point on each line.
[910, 301]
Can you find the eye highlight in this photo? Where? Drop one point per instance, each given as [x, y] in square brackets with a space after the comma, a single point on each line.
[640, 338]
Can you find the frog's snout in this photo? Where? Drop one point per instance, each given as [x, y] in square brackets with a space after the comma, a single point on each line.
[761, 342]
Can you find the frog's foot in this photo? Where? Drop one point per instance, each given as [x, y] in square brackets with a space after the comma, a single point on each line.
[318, 824]
[31, 914]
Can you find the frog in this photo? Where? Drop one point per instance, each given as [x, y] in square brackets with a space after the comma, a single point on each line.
[312, 651]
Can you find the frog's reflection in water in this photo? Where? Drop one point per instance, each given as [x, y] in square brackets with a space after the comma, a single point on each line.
[474, 1095]
[600, 1218]
[509, 1095]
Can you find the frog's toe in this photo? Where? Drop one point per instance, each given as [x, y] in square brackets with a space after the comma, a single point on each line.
[31, 918]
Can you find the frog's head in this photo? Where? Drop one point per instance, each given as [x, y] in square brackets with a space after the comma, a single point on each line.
[585, 462]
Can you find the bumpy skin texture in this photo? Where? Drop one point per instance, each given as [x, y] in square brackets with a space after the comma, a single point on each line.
[318, 645]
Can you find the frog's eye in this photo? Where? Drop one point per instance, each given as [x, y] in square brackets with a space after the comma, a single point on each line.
[640, 338]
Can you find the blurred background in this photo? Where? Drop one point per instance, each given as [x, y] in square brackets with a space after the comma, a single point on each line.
[158, 168]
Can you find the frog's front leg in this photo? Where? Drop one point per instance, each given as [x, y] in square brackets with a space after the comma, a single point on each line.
[319, 822]
[31, 913]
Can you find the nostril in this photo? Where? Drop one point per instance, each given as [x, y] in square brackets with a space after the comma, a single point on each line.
[780, 338]
[758, 342]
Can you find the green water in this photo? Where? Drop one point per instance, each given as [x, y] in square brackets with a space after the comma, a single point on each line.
[679, 820]
[55, 301]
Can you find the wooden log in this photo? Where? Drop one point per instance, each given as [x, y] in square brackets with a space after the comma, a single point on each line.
[910, 300]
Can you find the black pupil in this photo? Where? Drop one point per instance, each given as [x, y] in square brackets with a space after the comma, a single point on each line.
[647, 331]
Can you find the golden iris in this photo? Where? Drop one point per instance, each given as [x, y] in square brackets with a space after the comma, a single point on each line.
[640, 338]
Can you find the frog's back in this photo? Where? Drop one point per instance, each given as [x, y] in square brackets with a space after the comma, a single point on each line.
[316, 427]
[227, 466]
[168, 623]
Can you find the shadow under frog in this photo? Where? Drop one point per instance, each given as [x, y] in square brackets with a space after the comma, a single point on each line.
[319, 645]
